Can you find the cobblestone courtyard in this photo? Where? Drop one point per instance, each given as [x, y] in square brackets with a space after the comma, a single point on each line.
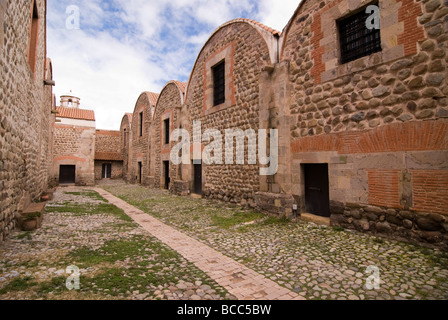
[118, 259]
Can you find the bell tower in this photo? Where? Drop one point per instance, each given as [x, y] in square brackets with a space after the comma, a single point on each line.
[70, 101]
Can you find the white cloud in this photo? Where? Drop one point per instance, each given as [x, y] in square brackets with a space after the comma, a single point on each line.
[126, 47]
[276, 14]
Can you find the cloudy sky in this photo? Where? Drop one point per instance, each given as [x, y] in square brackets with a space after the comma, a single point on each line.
[125, 47]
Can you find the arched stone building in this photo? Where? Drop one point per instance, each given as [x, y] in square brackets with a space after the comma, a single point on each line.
[141, 130]
[236, 52]
[360, 110]
[368, 123]
[126, 144]
[166, 114]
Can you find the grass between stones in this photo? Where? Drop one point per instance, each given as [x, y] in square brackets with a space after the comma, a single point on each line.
[317, 262]
[116, 258]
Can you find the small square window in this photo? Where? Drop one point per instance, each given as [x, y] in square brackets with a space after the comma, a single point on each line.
[219, 83]
[356, 39]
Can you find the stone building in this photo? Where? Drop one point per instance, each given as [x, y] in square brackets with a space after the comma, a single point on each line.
[357, 91]
[126, 141]
[369, 122]
[74, 144]
[165, 119]
[26, 105]
[139, 163]
[108, 158]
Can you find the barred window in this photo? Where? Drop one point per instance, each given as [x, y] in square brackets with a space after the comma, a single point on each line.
[356, 39]
[219, 83]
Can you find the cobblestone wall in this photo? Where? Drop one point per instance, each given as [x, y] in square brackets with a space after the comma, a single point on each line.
[75, 146]
[141, 147]
[379, 121]
[245, 53]
[126, 145]
[404, 82]
[107, 141]
[25, 110]
[170, 99]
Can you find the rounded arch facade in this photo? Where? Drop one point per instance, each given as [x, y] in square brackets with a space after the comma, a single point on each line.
[140, 160]
[245, 48]
[166, 117]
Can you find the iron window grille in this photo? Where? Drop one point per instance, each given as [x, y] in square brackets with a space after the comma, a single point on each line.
[356, 39]
[219, 83]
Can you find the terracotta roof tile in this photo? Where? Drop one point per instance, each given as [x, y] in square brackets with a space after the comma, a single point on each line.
[108, 156]
[182, 85]
[130, 116]
[73, 113]
[153, 97]
[273, 31]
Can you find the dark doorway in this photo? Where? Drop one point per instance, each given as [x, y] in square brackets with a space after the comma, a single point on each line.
[140, 173]
[166, 172]
[67, 174]
[198, 178]
[317, 190]
[107, 171]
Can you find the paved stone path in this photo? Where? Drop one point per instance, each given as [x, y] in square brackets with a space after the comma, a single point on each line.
[240, 281]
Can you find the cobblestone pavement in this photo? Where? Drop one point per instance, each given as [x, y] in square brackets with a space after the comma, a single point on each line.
[117, 259]
[314, 261]
[240, 281]
[120, 260]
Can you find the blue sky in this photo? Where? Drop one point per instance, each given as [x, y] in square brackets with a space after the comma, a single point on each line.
[125, 47]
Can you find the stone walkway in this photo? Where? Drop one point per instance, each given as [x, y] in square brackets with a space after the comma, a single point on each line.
[240, 281]
[317, 262]
[179, 248]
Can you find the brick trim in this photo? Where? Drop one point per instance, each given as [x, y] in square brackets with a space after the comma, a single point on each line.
[412, 34]
[411, 136]
[430, 191]
[384, 188]
[57, 159]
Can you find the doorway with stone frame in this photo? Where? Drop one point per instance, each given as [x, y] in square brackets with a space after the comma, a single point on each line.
[317, 189]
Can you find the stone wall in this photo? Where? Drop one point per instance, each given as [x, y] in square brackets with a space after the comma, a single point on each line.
[107, 151]
[405, 82]
[107, 141]
[126, 145]
[117, 169]
[379, 122]
[75, 146]
[246, 52]
[141, 143]
[25, 109]
[170, 99]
